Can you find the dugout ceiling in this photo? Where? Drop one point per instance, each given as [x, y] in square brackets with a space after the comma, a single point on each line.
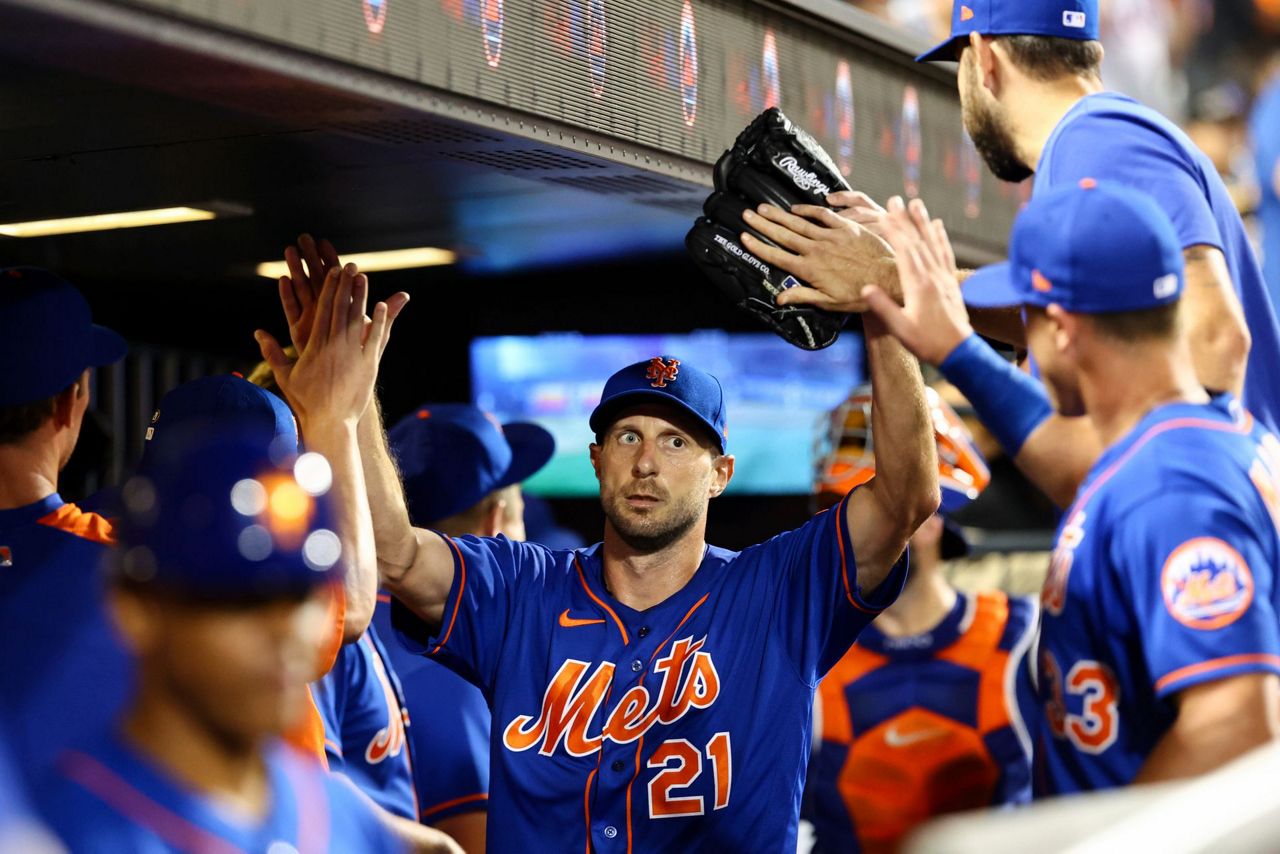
[522, 134]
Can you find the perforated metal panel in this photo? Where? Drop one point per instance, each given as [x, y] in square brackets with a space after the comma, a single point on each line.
[675, 76]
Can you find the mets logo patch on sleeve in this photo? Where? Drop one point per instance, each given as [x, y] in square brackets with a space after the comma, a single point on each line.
[1206, 584]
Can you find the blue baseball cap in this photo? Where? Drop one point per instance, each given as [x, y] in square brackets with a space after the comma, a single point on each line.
[227, 402]
[669, 380]
[1064, 19]
[451, 455]
[1092, 249]
[221, 516]
[49, 336]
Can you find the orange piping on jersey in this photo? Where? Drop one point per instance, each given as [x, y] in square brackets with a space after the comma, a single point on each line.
[384, 598]
[640, 742]
[586, 803]
[114, 791]
[462, 586]
[842, 518]
[1243, 426]
[465, 799]
[88, 526]
[1216, 664]
[583, 578]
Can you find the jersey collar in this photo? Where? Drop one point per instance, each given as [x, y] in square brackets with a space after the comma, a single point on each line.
[926, 644]
[713, 560]
[29, 514]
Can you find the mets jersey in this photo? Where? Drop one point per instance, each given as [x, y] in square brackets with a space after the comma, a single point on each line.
[1110, 137]
[685, 727]
[913, 727]
[1163, 577]
[64, 675]
[108, 798]
[365, 723]
[450, 723]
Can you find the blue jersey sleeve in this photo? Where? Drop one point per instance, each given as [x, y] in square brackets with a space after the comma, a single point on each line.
[487, 575]
[820, 609]
[1201, 588]
[1264, 132]
[354, 825]
[1126, 151]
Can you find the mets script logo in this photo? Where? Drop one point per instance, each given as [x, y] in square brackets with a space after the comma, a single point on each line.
[1054, 593]
[388, 741]
[1206, 584]
[662, 372]
[689, 681]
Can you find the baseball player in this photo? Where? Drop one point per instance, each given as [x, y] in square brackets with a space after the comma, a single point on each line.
[1160, 647]
[218, 589]
[460, 467]
[63, 673]
[653, 692]
[925, 714]
[228, 402]
[1033, 102]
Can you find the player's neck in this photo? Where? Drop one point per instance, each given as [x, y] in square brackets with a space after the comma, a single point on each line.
[925, 602]
[641, 580]
[28, 472]
[1041, 108]
[1122, 384]
[233, 774]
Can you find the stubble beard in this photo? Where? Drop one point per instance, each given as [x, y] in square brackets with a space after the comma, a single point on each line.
[647, 534]
[991, 136]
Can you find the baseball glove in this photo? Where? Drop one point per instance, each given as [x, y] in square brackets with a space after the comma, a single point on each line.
[774, 162]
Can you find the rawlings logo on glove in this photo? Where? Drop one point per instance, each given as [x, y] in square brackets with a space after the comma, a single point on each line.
[774, 162]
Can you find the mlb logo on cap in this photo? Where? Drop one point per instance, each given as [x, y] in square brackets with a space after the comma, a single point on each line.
[1064, 19]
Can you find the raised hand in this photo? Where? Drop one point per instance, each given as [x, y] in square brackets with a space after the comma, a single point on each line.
[334, 376]
[300, 290]
[932, 320]
[834, 254]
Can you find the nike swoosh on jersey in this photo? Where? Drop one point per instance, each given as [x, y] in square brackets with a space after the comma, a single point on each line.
[893, 738]
[570, 622]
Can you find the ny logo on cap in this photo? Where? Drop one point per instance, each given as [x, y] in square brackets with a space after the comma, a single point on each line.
[662, 372]
[966, 14]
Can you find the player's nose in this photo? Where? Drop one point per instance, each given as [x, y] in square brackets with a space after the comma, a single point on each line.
[645, 462]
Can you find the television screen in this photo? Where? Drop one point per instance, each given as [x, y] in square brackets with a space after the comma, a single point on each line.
[776, 397]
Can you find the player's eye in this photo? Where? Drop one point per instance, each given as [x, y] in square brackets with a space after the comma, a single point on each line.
[627, 437]
[678, 442]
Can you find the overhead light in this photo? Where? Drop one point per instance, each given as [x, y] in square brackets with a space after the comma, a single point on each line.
[109, 221]
[372, 262]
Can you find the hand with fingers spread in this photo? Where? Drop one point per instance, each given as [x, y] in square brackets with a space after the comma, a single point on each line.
[932, 321]
[834, 255]
[334, 376]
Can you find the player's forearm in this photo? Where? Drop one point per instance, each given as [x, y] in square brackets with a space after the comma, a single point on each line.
[1217, 722]
[336, 440]
[1057, 456]
[393, 532]
[906, 456]
[1215, 323]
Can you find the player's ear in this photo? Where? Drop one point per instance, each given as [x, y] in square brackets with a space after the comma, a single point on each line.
[134, 620]
[1064, 326]
[493, 516]
[64, 407]
[595, 458]
[721, 474]
[983, 52]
